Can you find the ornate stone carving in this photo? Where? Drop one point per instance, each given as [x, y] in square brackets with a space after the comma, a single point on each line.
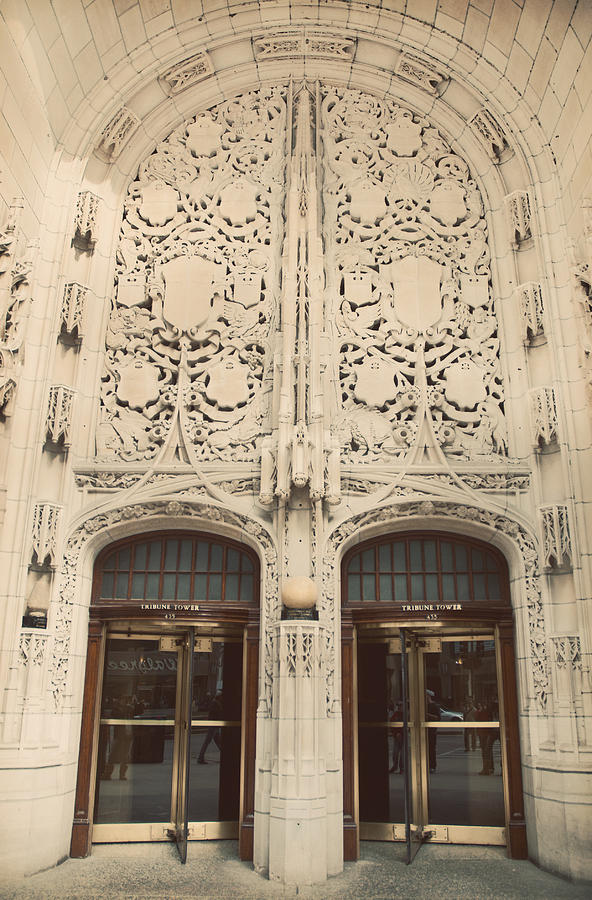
[59, 414]
[45, 534]
[86, 222]
[299, 655]
[106, 480]
[16, 262]
[543, 416]
[421, 73]
[530, 299]
[310, 42]
[414, 323]
[567, 651]
[32, 647]
[393, 516]
[69, 580]
[116, 134]
[557, 545]
[189, 337]
[493, 482]
[187, 73]
[519, 218]
[490, 132]
[72, 312]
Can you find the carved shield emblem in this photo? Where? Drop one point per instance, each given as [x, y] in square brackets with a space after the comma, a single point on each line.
[403, 136]
[375, 383]
[358, 287]
[159, 203]
[247, 288]
[368, 202]
[474, 290]
[464, 384]
[189, 291]
[227, 385]
[203, 137]
[416, 282]
[237, 202]
[447, 202]
[138, 385]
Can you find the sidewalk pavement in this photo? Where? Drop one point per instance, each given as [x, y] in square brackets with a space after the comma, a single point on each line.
[151, 871]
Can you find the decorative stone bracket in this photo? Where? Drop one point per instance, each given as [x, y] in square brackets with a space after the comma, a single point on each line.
[519, 219]
[543, 416]
[86, 222]
[186, 73]
[72, 313]
[489, 131]
[59, 415]
[530, 300]
[44, 535]
[116, 134]
[557, 541]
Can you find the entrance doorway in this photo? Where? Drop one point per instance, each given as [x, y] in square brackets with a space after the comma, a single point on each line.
[431, 744]
[430, 737]
[169, 751]
[167, 742]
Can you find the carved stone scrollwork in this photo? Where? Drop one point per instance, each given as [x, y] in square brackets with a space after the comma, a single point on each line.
[543, 416]
[519, 218]
[414, 320]
[86, 222]
[488, 129]
[116, 134]
[45, 535]
[201, 219]
[420, 73]
[72, 313]
[299, 651]
[187, 73]
[59, 415]
[309, 42]
[557, 543]
[530, 299]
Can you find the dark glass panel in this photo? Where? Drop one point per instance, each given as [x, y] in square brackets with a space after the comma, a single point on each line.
[446, 557]
[415, 559]
[169, 587]
[400, 562]
[477, 560]
[154, 556]
[216, 558]
[123, 561]
[231, 588]
[369, 588]
[107, 584]
[386, 589]
[152, 584]
[232, 560]
[353, 588]
[431, 583]
[215, 587]
[462, 585]
[185, 556]
[368, 560]
[417, 590]
[121, 586]
[246, 563]
[461, 558]
[138, 587]
[448, 589]
[429, 550]
[246, 594]
[171, 552]
[201, 559]
[183, 586]
[200, 587]
[140, 557]
[479, 587]
[384, 558]
[493, 587]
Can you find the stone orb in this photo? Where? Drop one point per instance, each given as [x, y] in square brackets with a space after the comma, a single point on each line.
[299, 592]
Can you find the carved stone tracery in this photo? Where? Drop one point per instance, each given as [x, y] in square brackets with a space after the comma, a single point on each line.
[415, 326]
[201, 220]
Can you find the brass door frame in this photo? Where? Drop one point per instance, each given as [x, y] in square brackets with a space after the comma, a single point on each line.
[421, 829]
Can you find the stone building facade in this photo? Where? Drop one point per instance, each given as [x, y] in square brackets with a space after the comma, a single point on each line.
[295, 401]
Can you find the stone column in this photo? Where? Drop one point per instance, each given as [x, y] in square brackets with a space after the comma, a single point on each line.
[298, 797]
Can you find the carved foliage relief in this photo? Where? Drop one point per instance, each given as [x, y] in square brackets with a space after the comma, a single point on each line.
[196, 283]
[409, 284]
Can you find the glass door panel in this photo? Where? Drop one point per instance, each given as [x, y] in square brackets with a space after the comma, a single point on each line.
[137, 733]
[216, 730]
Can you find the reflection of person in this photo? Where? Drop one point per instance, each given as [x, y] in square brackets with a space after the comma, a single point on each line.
[123, 708]
[433, 716]
[470, 711]
[397, 733]
[212, 734]
[487, 736]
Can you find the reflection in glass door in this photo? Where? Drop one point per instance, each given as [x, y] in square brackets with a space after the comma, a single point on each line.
[453, 774]
[169, 749]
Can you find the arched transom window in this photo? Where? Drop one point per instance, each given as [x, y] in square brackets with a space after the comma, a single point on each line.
[178, 566]
[419, 568]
